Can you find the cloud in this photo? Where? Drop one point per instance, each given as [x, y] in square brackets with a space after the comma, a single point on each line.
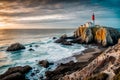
[68, 12]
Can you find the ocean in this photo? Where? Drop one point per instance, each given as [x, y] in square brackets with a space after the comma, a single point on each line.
[46, 50]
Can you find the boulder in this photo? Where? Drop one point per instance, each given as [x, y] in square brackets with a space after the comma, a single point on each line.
[15, 47]
[31, 49]
[54, 38]
[60, 40]
[44, 63]
[14, 76]
[63, 36]
[14, 73]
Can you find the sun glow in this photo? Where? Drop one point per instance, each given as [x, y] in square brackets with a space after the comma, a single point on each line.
[2, 24]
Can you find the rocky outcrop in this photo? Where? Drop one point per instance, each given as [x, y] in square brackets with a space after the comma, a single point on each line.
[64, 69]
[101, 35]
[15, 47]
[15, 73]
[63, 40]
[104, 67]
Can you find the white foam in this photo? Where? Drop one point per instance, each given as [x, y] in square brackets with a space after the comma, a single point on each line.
[46, 50]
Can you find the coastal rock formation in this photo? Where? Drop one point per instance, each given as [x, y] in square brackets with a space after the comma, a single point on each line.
[63, 40]
[15, 47]
[104, 67]
[15, 73]
[101, 35]
[64, 69]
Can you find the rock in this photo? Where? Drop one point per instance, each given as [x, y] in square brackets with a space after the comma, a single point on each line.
[36, 46]
[30, 45]
[66, 43]
[15, 47]
[118, 41]
[54, 38]
[15, 73]
[89, 36]
[60, 40]
[44, 63]
[101, 76]
[14, 76]
[64, 69]
[63, 36]
[104, 36]
[31, 49]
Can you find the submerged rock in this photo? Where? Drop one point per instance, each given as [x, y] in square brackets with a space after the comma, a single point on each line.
[36, 46]
[31, 49]
[54, 38]
[15, 47]
[66, 43]
[15, 73]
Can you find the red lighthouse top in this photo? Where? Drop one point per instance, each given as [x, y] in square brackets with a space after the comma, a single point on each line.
[93, 17]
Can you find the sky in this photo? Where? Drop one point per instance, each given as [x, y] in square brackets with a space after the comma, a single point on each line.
[57, 13]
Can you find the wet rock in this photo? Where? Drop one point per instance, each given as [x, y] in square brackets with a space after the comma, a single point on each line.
[14, 76]
[60, 40]
[41, 77]
[14, 73]
[63, 36]
[36, 46]
[44, 63]
[15, 47]
[30, 45]
[54, 38]
[32, 74]
[64, 69]
[31, 49]
[66, 43]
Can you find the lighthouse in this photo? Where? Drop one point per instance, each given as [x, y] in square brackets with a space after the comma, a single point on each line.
[93, 19]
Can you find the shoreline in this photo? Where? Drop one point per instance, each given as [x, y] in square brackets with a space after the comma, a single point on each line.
[87, 56]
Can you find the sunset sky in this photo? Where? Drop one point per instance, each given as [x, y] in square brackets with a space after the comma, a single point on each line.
[57, 13]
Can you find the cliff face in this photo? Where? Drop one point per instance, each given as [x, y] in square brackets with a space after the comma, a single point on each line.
[99, 34]
[105, 67]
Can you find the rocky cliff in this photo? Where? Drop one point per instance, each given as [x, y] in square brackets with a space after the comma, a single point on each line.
[99, 34]
[105, 67]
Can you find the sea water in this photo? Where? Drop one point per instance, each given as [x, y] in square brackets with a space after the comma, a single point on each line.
[43, 44]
